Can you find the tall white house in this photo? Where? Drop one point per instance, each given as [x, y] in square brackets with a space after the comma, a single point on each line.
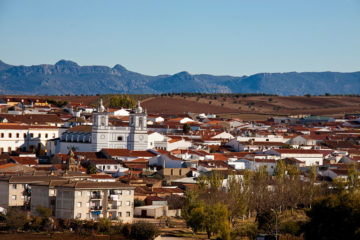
[104, 135]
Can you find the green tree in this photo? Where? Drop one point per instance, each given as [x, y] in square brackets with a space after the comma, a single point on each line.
[122, 101]
[280, 169]
[186, 128]
[334, 217]
[91, 169]
[143, 231]
[353, 178]
[217, 221]
[138, 202]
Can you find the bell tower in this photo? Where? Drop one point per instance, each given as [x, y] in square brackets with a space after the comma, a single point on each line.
[138, 129]
[100, 125]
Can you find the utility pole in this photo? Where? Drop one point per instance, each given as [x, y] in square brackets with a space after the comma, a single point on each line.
[276, 224]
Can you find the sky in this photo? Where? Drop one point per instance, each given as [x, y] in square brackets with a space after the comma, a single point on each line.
[222, 37]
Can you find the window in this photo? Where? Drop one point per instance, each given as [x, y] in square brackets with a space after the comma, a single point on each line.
[52, 192]
[31, 135]
[39, 135]
[2, 135]
[79, 204]
[24, 135]
[129, 192]
[10, 135]
[120, 138]
[17, 135]
[120, 192]
[9, 149]
[87, 204]
[46, 135]
[127, 203]
[14, 186]
[13, 197]
[78, 215]
[88, 215]
[120, 214]
[119, 203]
[79, 193]
[108, 167]
[115, 167]
[128, 214]
[88, 193]
[53, 135]
[1, 150]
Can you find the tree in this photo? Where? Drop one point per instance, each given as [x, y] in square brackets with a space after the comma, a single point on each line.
[217, 221]
[91, 169]
[353, 178]
[122, 101]
[334, 217]
[143, 231]
[138, 202]
[280, 169]
[186, 128]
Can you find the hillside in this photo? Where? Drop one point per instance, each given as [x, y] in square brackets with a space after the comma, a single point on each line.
[66, 77]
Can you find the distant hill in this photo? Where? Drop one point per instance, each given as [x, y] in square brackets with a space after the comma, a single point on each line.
[67, 77]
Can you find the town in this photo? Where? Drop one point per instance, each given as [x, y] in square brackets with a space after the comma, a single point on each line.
[123, 164]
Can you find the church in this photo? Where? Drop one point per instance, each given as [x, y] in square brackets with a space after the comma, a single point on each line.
[104, 135]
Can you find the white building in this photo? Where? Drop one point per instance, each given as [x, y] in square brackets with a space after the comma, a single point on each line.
[103, 135]
[25, 137]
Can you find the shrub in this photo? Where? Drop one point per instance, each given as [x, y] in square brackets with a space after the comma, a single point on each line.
[43, 212]
[15, 219]
[245, 230]
[143, 231]
[126, 230]
[291, 227]
[103, 225]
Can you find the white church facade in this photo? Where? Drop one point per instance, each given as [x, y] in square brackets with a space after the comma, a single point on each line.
[103, 135]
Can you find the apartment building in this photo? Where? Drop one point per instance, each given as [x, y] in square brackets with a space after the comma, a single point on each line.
[44, 194]
[15, 191]
[94, 200]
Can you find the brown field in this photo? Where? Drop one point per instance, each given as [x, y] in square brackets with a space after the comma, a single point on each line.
[247, 108]
[168, 105]
[255, 107]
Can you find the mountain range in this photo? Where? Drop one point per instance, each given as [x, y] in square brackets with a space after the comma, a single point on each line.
[67, 77]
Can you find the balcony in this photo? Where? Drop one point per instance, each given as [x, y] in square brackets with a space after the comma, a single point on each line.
[95, 196]
[96, 208]
[112, 206]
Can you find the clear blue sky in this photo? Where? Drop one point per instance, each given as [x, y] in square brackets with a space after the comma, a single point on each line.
[199, 36]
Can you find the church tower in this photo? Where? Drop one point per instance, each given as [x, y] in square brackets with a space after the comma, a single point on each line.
[100, 124]
[138, 129]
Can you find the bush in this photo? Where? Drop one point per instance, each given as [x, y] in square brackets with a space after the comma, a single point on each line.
[15, 219]
[143, 231]
[291, 227]
[43, 212]
[126, 230]
[245, 230]
[266, 222]
[103, 225]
